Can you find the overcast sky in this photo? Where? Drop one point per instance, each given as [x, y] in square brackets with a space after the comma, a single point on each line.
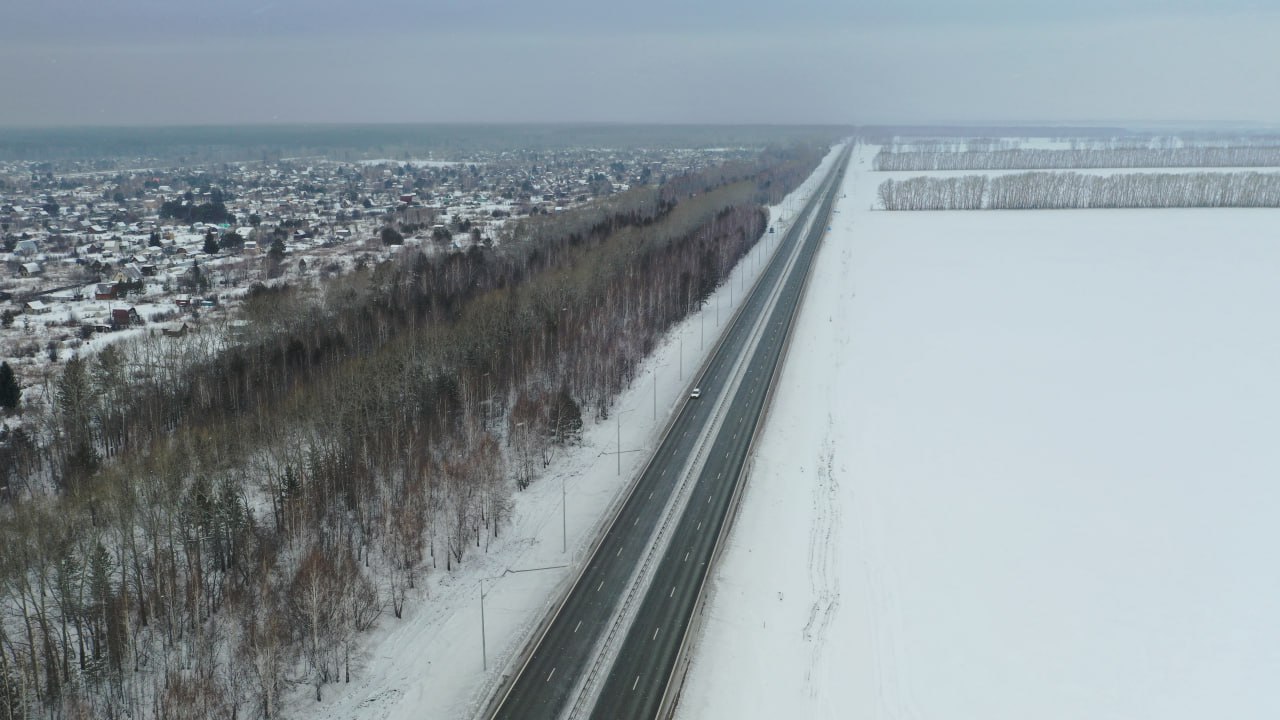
[90, 62]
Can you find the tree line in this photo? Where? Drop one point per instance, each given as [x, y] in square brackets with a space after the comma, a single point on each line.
[211, 213]
[1068, 190]
[194, 525]
[1079, 158]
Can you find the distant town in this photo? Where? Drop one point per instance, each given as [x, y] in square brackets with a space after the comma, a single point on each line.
[91, 255]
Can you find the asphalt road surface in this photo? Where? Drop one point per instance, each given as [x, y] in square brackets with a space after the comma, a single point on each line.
[640, 674]
[545, 685]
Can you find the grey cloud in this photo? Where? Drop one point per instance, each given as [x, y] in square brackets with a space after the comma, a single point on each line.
[828, 62]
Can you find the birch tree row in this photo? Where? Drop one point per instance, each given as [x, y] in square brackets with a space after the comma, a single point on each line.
[1043, 190]
[1078, 158]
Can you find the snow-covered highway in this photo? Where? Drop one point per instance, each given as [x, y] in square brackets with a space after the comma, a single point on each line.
[562, 662]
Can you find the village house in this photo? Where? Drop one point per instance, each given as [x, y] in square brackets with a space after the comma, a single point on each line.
[124, 317]
[129, 273]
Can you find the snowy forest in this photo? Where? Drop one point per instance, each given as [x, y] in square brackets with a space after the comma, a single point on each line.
[980, 157]
[191, 525]
[1069, 190]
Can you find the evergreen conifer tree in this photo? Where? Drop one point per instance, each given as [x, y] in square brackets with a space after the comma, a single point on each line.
[10, 393]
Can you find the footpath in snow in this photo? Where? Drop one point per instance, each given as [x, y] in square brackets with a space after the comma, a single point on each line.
[1019, 465]
[432, 663]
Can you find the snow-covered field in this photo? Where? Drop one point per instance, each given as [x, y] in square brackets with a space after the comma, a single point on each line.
[431, 663]
[1022, 464]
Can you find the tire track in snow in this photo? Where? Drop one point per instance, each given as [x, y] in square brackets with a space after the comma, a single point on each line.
[824, 578]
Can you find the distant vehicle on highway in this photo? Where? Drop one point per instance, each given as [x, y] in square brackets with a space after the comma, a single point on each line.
[697, 393]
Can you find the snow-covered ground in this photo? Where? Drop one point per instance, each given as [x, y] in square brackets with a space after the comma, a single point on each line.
[431, 663]
[1021, 465]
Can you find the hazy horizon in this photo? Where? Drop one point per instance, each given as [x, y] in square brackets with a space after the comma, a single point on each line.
[74, 63]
